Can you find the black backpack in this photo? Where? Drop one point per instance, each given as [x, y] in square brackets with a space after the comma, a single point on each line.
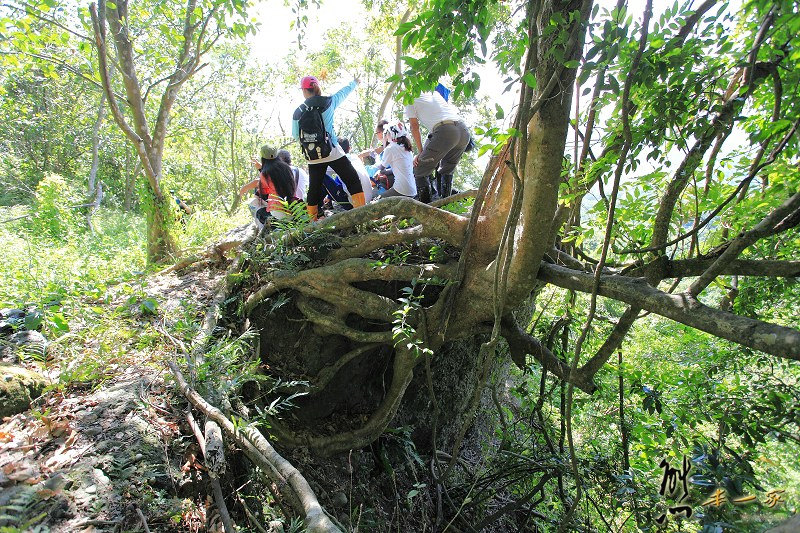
[314, 140]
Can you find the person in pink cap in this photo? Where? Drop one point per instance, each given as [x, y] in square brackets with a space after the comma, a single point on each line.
[312, 125]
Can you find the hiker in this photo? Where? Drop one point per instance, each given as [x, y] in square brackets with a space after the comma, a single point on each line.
[361, 170]
[274, 183]
[300, 176]
[334, 196]
[183, 207]
[376, 152]
[398, 153]
[447, 140]
[312, 125]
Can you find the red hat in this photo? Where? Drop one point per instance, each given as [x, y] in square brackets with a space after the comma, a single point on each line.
[308, 82]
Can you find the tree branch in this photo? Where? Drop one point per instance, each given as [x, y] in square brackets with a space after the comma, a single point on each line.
[763, 229]
[520, 344]
[691, 22]
[398, 53]
[722, 122]
[687, 268]
[770, 338]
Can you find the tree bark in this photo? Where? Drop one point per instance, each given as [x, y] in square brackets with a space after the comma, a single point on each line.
[93, 193]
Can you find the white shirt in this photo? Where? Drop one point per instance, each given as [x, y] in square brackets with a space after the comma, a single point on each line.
[430, 109]
[302, 182]
[402, 163]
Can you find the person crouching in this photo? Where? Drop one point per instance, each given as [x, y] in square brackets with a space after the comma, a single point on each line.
[275, 183]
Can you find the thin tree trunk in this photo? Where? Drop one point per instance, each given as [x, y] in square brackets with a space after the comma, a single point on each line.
[234, 174]
[96, 194]
[398, 53]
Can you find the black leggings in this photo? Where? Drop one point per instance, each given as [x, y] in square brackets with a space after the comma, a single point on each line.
[343, 167]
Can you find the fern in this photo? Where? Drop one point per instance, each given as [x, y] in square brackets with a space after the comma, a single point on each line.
[23, 512]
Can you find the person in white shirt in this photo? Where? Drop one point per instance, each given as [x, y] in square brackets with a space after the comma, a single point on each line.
[399, 155]
[448, 137]
[300, 175]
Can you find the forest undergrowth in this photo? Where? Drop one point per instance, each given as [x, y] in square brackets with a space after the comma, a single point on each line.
[107, 444]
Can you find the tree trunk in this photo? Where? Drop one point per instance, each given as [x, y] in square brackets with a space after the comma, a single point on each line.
[95, 194]
[130, 178]
[161, 245]
[398, 53]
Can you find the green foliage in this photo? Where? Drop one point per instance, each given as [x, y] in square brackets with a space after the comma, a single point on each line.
[403, 330]
[453, 32]
[24, 511]
[53, 213]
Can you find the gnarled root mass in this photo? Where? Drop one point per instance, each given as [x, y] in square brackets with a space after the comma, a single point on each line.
[351, 305]
[348, 286]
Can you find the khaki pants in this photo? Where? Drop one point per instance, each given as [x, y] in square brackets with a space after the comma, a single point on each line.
[443, 149]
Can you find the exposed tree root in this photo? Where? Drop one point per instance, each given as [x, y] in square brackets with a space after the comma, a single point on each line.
[213, 465]
[234, 239]
[447, 226]
[214, 311]
[279, 470]
[325, 375]
[333, 324]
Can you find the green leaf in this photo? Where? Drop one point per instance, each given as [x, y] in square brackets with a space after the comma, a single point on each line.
[59, 322]
[149, 306]
[613, 84]
[529, 79]
[33, 320]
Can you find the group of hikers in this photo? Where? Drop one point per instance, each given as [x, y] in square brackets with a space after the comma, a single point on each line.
[338, 178]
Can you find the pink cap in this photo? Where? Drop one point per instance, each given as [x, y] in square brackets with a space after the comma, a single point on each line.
[308, 82]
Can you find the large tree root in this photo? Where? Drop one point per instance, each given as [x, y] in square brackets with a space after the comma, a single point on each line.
[258, 449]
[234, 239]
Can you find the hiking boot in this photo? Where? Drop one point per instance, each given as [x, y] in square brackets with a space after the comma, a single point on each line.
[446, 185]
[424, 188]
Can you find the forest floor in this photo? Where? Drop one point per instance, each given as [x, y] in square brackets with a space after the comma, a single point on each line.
[107, 446]
[95, 457]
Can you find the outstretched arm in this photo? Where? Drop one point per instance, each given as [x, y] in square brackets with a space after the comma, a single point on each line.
[342, 93]
[248, 187]
[414, 123]
[296, 124]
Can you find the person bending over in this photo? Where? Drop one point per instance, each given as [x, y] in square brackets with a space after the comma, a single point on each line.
[447, 140]
[398, 154]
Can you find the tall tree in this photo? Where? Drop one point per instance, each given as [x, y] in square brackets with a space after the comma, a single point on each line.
[175, 52]
[408, 302]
